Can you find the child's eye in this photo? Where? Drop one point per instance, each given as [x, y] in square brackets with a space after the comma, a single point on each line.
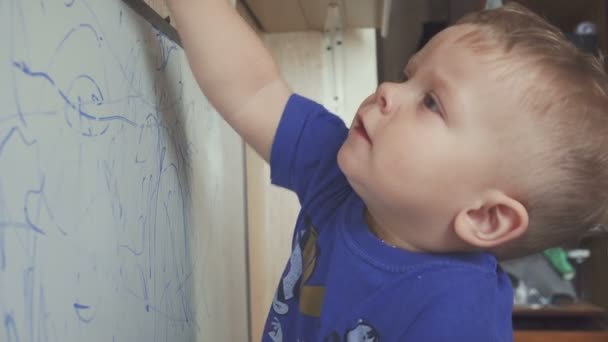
[431, 104]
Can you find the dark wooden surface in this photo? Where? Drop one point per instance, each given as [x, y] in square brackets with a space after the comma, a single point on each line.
[151, 16]
[595, 271]
[566, 14]
[572, 310]
[560, 336]
[572, 317]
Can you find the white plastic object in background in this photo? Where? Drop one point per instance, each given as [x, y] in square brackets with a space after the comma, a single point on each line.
[492, 4]
[579, 255]
[586, 28]
[386, 16]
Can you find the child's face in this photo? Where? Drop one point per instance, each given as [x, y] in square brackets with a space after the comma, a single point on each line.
[420, 151]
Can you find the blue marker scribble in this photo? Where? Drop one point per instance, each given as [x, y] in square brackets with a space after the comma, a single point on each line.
[3, 226]
[97, 96]
[42, 316]
[11, 48]
[26, 211]
[166, 47]
[11, 329]
[82, 312]
[38, 194]
[111, 184]
[142, 222]
[85, 135]
[2, 249]
[186, 305]
[78, 28]
[36, 113]
[15, 130]
[28, 299]
[145, 288]
[83, 26]
[25, 69]
[89, 133]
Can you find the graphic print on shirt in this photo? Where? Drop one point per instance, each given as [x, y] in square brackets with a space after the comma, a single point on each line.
[362, 332]
[299, 270]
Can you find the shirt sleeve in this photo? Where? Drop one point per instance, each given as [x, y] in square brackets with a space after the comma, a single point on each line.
[304, 151]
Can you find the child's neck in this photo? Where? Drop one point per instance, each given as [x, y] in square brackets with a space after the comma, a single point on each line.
[386, 236]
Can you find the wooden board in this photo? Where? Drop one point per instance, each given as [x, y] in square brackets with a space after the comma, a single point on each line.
[157, 15]
[570, 310]
[560, 336]
[405, 28]
[304, 15]
[160, 6]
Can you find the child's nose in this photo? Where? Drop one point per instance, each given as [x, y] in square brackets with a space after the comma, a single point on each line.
[385, 96]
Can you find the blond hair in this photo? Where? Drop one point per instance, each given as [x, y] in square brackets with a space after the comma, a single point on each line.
[569, 102]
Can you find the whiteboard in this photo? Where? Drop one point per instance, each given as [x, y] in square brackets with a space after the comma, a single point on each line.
[121, 189]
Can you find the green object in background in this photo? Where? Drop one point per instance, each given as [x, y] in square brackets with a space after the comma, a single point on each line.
[559, 260]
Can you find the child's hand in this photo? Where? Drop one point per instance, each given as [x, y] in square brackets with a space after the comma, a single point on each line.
[233, 68]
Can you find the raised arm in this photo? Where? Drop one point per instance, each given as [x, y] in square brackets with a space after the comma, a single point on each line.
[233, 68]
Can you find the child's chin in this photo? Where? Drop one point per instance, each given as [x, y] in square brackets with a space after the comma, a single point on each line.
[348, 164]
[344, 159]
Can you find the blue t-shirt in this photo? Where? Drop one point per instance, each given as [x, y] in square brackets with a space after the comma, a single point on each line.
[341, 283]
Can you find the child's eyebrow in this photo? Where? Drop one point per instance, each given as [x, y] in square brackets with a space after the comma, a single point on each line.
[446, 90]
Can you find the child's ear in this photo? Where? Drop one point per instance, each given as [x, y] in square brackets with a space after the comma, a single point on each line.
[495, 220]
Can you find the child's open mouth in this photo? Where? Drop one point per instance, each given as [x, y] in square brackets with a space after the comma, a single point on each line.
[359, 129]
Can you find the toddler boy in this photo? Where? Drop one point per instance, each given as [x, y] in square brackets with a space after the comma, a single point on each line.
[494, 145]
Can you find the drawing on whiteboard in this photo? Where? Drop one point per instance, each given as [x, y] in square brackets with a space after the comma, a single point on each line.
[94, 176]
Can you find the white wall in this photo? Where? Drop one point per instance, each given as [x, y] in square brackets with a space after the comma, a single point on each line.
[122, 217]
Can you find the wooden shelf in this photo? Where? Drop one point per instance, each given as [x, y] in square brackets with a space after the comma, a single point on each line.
[560, 336]
[572, 317]
[159, 6]
[307, 15]
[571, 310]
